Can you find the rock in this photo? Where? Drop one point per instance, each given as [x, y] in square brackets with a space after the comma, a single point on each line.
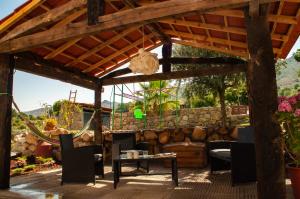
[198, 134]
[138, 136]
[187, 130]
[164, 137]
[223, 131]
[86, 137]
[108, 137]
[32, 148]
[31, 139]
[150, 135]
[178, 136]
[185, 118]
[187, 139]
[234, 133]
[213, 137]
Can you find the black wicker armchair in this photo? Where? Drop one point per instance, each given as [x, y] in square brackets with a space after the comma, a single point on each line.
[80, 165]
[237, 156]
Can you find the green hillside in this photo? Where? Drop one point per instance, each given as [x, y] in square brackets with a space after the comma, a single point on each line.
[289, 75]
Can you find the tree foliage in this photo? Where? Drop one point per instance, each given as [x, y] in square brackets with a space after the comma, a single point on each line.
[297, 55]
[209, 90]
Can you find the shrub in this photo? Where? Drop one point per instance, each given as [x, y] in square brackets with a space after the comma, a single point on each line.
[29, 167]
[41, 160]
[50, 124]
[17, 171]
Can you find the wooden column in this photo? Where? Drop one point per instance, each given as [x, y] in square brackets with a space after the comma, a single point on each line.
[6, 85]
[98, 115]
[166, 53]
[96, 8]
[263, 99]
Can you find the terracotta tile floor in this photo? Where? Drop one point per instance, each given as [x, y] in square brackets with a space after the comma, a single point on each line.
[193, 183]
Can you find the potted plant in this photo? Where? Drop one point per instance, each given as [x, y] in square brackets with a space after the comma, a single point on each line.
[288, 115]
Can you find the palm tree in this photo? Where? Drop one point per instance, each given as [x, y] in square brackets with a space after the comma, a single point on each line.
[157, 96]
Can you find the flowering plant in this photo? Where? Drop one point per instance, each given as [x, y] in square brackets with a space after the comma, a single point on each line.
[288, 115]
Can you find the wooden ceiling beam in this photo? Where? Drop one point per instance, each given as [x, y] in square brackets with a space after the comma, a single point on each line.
[205, 71]
[31, 63]
[45, 19]
[222, 28]
[151, 26]
[20, 14]
[143, 14]
[121, 51]
[62, 23]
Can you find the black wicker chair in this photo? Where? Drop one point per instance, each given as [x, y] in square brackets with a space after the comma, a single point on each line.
[237, 156]
[80, 165]
[127, 141]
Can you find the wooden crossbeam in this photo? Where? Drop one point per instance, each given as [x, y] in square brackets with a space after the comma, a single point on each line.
[45, 19]
[214, 48]
[101, 46]
[153, 27]
[202, 60]
[62, 23]
[183, 60]
[121, 51]
[222, 28]
[205, 71]
[20, 14]
[143, 14]
[31, 63]
[113, 67]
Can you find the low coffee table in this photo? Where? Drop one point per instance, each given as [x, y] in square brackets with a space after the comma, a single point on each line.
[159, 157]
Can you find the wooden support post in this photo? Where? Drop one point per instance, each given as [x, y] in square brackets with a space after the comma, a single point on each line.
[6, 85]
[263, 99]
[98, 115]
[95, 9]
[166, 53]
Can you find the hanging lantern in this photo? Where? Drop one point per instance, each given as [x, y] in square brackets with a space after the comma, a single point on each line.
[145, 62]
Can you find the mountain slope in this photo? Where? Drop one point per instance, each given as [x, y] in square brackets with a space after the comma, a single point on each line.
[289, 75]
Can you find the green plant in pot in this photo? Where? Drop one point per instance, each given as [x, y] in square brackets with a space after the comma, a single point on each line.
[288, 115]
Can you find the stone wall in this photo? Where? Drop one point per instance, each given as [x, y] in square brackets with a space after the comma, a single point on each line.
[208, 116]
[27, 144]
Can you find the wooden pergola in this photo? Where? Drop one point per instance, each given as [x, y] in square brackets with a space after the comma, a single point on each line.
[83, 41]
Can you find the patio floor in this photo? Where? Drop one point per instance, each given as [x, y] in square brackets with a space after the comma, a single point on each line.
[192, 184]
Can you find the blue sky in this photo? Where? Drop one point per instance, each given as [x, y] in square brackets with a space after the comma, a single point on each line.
[31, 91]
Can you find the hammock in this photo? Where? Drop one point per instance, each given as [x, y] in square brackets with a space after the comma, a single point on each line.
[35, 131]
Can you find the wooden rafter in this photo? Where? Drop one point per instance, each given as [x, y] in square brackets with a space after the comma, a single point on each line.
[243, 54]
[45, 19]
[121, 51]
[234, 30]
[113, 67]
[271, 17]
[289, 31]
[212, 39]
[101, 46]
[142, 14]
[20, 14]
